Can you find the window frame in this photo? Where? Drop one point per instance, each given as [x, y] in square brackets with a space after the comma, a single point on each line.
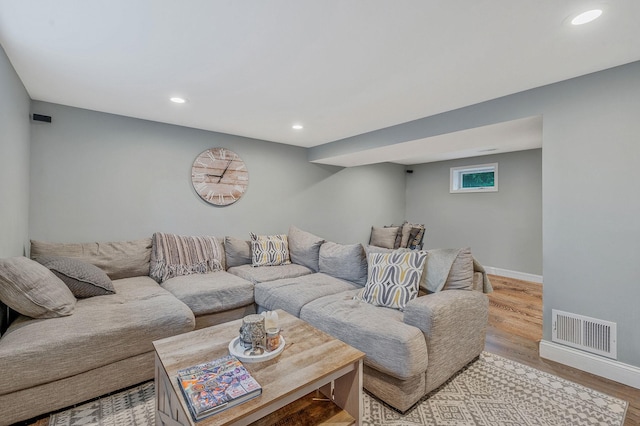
[456, 173]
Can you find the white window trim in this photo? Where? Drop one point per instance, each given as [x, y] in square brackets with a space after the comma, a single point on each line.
[455, 180]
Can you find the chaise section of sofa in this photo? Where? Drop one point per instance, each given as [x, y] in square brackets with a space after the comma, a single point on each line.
[103, 345]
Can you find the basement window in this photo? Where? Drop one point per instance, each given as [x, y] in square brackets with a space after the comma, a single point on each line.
[480, 178]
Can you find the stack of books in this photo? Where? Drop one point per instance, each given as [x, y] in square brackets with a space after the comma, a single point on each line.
[216, 385]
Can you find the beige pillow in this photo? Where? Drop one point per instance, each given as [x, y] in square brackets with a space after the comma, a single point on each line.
[33, 290]
[383, 236]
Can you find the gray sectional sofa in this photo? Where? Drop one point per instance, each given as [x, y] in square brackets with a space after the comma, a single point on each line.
[106, 343]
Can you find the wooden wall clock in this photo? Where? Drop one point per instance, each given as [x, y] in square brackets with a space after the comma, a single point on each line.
[219, 176]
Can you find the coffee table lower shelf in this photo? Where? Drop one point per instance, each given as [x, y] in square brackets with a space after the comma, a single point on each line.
[311, 409]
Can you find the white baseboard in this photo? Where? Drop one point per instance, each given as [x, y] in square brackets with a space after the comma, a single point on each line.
[594, 364]
[513, 274]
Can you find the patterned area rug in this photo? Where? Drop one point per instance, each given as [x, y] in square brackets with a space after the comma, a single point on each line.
[490, 391]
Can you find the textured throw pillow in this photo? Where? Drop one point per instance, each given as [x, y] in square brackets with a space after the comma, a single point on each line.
[406, 233]
[415, 237]
[173, 255]
[31, 289]
[412, 235]
[237, 251]
[383, 236]
[344, 261]
[83, 279]
[304, 248]
[394, 278]
[269, 250]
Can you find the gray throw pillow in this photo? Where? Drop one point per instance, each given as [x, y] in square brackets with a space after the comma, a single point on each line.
[304, 248]
[383, 236]
[83, 279]
[344, 261]
[461, 273]
[237, 252]
[31, 289]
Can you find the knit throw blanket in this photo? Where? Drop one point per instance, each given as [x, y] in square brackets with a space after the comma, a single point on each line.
[174, 255]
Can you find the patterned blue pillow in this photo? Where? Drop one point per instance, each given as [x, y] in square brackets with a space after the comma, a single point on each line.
[394, 278]
[269, 250]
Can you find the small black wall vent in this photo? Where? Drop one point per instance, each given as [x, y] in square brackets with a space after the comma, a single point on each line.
[43, 118]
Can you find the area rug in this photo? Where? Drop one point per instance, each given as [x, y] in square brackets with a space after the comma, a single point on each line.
[490, 391]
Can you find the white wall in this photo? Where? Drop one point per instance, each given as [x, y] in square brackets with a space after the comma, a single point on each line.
[14, 161]
[503, 229]
[100, 177]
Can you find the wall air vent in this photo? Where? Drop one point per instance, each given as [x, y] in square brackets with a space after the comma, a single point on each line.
[588, 334]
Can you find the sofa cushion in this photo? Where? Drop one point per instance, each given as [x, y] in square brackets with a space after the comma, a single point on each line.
[121, 259]
[211, 293]
[269, 273]
[304, 248]
[82, 278]
[390, 345]
[174, 255]
[292, 294]
[269, 250]
[33, 290]
[393, 278]
[102, 330]
[237, 252]
[344, 261]
[383, 236]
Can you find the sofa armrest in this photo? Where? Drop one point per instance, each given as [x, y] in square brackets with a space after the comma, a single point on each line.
[454, 323]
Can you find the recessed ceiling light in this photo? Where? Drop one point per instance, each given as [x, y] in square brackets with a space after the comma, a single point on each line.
[586, 17]
[297, 127]
[178, 100]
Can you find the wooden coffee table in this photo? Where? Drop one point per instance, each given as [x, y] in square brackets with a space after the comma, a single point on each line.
[312, 360]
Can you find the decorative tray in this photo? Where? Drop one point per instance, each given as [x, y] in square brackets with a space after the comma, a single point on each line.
[236, 349]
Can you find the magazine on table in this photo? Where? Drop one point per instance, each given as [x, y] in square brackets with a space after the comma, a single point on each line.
[216, 385]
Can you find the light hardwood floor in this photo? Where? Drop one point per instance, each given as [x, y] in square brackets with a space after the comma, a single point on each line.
[515, 329]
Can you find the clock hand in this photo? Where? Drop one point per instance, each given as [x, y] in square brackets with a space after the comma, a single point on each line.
[225, 170]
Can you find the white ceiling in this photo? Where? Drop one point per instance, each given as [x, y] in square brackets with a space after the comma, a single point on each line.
[339, 67]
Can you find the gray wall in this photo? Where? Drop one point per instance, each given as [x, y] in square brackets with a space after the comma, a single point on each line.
[503, 229]
[590, 203]
[100, 177]
[14, 161]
